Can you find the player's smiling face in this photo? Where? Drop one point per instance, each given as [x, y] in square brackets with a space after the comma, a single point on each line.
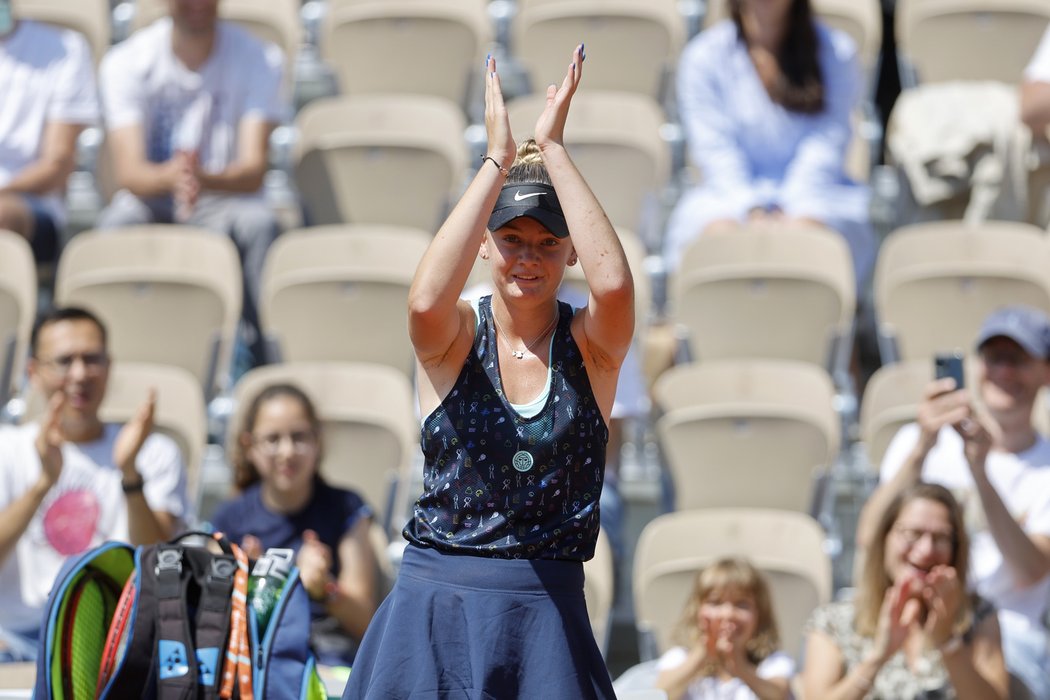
[526, 258]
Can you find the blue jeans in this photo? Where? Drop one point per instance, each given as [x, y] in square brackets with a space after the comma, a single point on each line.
[1027, 654]
[15, 646]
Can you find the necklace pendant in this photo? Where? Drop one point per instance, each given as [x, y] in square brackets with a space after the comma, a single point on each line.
[518, 354]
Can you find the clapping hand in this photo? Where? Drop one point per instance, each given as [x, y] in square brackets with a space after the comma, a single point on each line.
[550, 128]
[50, 438]
[942, 594]
[501, 147]
[315, 564]
[133, 435]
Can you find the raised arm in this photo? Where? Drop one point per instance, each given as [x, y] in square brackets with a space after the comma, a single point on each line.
[436, 317]
[609, 318]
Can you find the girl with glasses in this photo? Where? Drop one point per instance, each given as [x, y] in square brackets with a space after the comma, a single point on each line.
[284, 502]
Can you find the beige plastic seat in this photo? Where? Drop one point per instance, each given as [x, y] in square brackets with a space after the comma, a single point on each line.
[766, 291]
[180, 412]
[380, 159]
[891, 400]
[935, 282]
[969, 39]
[17, 308]
[786, 547]
[18, 677]
[634, 249]
[746, 433]
[615, 142]
[340, 293]
[598, 588]
[167, 294]
[89, 17]
[275, 21]
[407, 46]
[370, 433]
[634, 44]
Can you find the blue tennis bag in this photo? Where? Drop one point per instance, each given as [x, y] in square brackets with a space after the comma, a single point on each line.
[170, 622]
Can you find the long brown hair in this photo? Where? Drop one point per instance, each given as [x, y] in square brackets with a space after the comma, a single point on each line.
[874, 580]
[732, 574]
[800, 83]
[244, 472]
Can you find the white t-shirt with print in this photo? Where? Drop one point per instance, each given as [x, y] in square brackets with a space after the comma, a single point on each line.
[1023, 483]
[776, 665]
[83, 509]
[46, 75]
[142, 82]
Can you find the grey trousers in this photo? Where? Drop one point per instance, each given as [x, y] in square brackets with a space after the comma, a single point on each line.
[250, 224]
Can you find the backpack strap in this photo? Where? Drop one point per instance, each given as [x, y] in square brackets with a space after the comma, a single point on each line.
[213, 621]
[176, 659]
[238, 666]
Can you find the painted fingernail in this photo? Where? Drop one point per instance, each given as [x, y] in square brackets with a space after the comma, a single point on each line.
[487, 58]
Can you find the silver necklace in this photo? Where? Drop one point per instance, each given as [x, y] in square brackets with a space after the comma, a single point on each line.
[520, 354]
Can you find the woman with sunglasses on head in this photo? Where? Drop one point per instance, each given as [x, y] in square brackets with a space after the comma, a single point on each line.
[516, 392]
[913, 630]
[285, 503]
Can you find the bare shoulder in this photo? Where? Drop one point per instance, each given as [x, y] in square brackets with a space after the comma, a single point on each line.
[435, 378]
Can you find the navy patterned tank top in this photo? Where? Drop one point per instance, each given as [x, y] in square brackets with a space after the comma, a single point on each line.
[499, 485]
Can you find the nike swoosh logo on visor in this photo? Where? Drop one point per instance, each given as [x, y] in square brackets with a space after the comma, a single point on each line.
[518, 196]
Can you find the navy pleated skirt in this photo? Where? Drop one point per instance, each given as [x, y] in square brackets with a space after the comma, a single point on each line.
[474, 627]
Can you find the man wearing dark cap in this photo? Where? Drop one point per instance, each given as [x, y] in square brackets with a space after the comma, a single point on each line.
[984, 446]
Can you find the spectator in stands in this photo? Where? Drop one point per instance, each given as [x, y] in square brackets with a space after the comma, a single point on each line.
[189, 104]
[47, 81]
[912, 631]
[68, 482]
[984, 446]
[766, 99]
[284, 502]
[1035, 90]
[731, 640]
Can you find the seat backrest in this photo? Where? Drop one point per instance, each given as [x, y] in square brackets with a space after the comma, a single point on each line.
[766, 291]
[424, 47]
[180, 412]
[786, 547]
[634, 249]
[747, 433]
[340, 293]
[89, 17]
[370, 433]
[17, 308]
[380, 159]
[167, 294]
[275, 21]
[860, 19]
[638, 43]
[598, 588]
[935, 282]
[938, 37]
[615, 142]
[892, 396]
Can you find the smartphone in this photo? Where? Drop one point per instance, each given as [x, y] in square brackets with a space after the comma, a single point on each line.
[949, 364]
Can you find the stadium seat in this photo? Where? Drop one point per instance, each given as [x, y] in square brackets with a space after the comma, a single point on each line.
[380, 159]
[167, 294]
[941, 40]
[370, 433]
[18, 288]
[935, 282]
[616, 143]
[276, 21]
[767, 291]
[407, 46]
[340, 293]
[180, 412]
[635, 44]
[598, 588]
[89, 17]
[787, 547]
[746, 433]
